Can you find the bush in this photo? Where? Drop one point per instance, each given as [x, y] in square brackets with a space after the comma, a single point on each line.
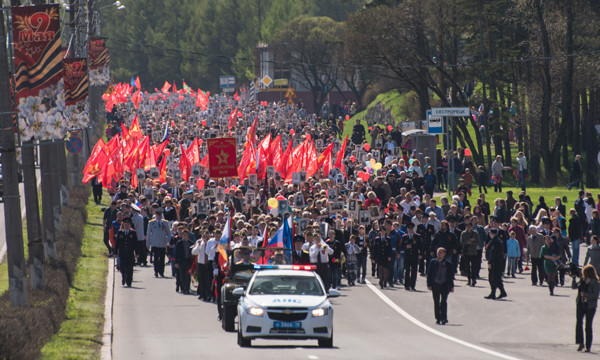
[23, 331]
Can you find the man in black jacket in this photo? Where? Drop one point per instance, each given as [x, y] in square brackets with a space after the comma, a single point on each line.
[299, 256]
[576, 173]
[183, 259]
[496, 256]
[413, 253]
[440, 281]
[126, 249]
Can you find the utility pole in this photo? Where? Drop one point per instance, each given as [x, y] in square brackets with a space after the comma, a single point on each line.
[17, 271]
[47, 203]
[34, 229]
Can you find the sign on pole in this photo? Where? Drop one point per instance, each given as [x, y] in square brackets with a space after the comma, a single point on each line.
[267, 80]
[74, 144]
[454, 112]
[227, 81]
[280, 82]
[434, 124]
[229, 89]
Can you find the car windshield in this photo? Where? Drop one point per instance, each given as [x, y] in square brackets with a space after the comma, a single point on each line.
[286, 285]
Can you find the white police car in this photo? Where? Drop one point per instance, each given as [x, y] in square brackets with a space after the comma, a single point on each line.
[285, 302]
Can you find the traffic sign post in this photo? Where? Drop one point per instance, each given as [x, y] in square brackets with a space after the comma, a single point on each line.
[449, 113]
[267, 80]
[74, 144]
[434, 124]
[227, 81]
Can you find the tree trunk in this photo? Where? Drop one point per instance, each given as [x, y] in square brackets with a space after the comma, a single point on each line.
[440, 39]
[567, 101]
[549, 165]
[585, 110]
[592, 147]
[49, 228]
[576, 127]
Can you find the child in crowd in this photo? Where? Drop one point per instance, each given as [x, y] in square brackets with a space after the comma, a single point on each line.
[351, 250]
[513, 252]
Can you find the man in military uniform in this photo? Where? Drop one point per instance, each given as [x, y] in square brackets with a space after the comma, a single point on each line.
[299, 256]
[183, 259]
[495, 256]
[412, 245]
[126, 249]
[245, 257]
[445, 239]
[158, 237]
[427, 231]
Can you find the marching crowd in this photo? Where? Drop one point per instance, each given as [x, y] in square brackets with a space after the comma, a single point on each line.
[372, 210]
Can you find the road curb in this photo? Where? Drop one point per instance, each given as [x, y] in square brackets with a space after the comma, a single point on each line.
[107, 334]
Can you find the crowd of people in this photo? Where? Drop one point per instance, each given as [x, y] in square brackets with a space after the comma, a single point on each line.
[371, 204]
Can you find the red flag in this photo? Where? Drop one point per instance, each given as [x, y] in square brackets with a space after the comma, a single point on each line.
[311, 161]
[204, 161]
[174, 87]
[150, 159]
[340, 155]
[248, 159]
[160, 149]
[163, 170]
[282, 166]
[252, 132]
[201, 100]
[92, 169]
[134, 130]
[261, 157]
[137, 83]
[175, 105]
[166, 87]
[236, 97]
[274, 155]
[193, 154]
[233, 119]
[184, 165]
[124, 132]
[136, 98]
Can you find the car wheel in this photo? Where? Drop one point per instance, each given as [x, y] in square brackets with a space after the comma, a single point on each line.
[242, 341]
[228, 318]
[326, 343]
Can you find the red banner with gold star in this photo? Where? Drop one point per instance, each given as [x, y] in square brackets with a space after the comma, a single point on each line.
[222, 160]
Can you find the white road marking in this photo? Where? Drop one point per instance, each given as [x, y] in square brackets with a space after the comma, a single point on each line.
[410, 318]
[313, 357]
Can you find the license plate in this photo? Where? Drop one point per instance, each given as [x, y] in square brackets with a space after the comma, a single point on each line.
[287, 325]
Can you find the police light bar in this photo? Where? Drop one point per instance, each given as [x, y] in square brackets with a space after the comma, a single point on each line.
[285, 267]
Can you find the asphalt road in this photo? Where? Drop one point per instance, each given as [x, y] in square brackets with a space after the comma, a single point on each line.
[152, 321]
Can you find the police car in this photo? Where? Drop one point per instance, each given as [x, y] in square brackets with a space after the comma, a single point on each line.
[285, 302]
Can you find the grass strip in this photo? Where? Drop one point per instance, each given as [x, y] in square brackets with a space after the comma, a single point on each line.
[80, 334]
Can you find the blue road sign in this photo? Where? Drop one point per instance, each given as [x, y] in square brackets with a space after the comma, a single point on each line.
[434, 124]
[74, 144]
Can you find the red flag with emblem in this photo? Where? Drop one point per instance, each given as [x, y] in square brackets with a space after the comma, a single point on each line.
[166, 87]
[134, 130]
[92, 169]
